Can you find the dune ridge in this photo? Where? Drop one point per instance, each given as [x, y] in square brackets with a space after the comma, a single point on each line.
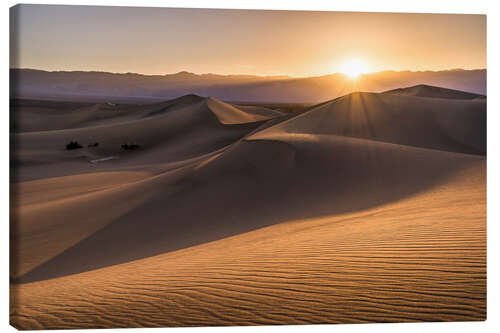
[423, 90]
[449, 125]
[180, 129]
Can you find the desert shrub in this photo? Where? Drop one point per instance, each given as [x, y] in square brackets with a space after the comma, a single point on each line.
[131, 146]
[73, 145]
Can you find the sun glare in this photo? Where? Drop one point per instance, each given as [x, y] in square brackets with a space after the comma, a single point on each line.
[353, 68]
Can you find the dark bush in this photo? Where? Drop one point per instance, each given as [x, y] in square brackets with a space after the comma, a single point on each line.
[73, 145]
[94, 144]
[131, 146]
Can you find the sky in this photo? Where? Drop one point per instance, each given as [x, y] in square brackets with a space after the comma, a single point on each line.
[295, 43]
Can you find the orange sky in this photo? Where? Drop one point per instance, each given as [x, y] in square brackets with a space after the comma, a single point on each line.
[296, 43]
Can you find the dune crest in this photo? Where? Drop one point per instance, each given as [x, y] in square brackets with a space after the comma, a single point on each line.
[449, 125]
[423, 90]
[229, 114]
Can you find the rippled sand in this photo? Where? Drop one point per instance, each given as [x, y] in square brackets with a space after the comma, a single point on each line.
[240, 218]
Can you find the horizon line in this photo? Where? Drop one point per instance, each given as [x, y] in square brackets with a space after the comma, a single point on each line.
[240, 74]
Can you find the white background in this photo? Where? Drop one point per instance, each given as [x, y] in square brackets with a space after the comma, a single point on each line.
[491, 8]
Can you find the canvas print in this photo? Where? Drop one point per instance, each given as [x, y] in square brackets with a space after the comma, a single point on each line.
[214, 167]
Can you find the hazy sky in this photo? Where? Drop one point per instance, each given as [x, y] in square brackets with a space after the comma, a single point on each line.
[166, 40]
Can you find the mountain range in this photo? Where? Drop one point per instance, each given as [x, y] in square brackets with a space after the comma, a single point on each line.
[92, 86]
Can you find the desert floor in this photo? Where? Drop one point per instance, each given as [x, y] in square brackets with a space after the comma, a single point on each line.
[367, 208]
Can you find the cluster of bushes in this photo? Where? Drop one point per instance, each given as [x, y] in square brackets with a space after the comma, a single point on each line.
[132, 146]
[75, 145]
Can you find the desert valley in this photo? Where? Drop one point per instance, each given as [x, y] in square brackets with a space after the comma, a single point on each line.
[193, 211]
[175, 167]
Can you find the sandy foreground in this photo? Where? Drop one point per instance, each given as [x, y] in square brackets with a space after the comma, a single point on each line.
[367, 208]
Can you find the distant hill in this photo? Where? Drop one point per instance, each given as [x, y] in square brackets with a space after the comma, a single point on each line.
[423, 90]
[131, 87]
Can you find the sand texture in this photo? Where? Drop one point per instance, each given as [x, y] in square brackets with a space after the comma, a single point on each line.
[367, 208]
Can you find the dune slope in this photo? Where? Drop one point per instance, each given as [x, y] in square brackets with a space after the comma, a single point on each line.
[171, 131]
[447, 125]
[312, 175]
[418, 259]
[423, 90]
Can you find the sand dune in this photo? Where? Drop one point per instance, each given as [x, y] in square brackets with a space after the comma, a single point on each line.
[423, 90]
[301, 171]
[184, 128]
[369, 207]
[449, 125]
[229, 114]
[418, 259]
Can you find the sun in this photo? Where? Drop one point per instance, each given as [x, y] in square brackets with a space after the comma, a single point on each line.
[353, 68]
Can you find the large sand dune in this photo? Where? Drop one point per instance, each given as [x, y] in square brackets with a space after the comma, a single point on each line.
[419, 259]
[369, 207]
[171, 131]
[449, 125]
[423, 90]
